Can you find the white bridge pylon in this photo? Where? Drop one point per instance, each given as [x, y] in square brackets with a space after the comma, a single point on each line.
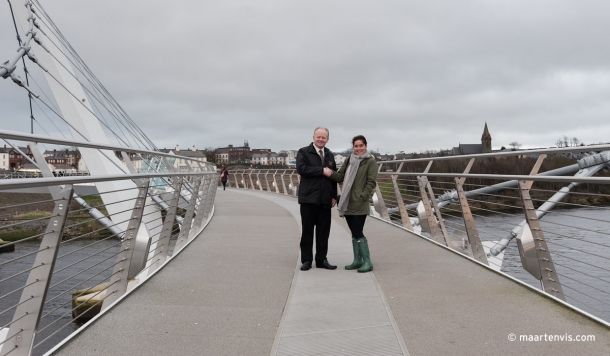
[76, 109]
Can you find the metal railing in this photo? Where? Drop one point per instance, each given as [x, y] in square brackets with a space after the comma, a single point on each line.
[72, 251]
[548, 230]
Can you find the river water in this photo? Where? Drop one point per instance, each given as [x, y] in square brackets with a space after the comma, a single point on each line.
[580, 249]
[577, 239]
[86, 265]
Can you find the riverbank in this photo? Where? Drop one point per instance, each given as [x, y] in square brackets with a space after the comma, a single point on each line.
[24, 215]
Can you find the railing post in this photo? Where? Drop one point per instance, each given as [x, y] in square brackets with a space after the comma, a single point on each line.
[208, 196]
[236, 181]
[168, 224]
[478, 252]
[120, 274]
[188, 218]
[435, 234]
[258, 180]
[277, 188]
[546, 269]
[252, 186]
[284, 183]
[206, 181]
[437, 210]
[267, 181]
[294, 187]
[383, 210]
[404, 216]
[20, 337]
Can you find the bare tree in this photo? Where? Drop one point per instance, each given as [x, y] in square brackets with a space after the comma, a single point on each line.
[565, 141]
[515, 145]
[210, 154]
[559, 143]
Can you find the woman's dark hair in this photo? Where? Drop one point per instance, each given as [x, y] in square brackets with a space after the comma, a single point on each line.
[361, 138]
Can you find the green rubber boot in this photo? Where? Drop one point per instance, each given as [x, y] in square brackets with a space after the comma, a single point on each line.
[357, 258]
[366, 256]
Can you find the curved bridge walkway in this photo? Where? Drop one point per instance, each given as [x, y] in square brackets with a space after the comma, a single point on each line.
[237, 290]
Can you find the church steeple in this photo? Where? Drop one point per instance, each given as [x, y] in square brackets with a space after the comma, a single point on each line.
[486, 140]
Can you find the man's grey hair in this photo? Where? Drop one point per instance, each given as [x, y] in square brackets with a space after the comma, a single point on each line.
[321, 128]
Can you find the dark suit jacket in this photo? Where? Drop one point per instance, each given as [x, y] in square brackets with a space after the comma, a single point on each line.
[315, 188]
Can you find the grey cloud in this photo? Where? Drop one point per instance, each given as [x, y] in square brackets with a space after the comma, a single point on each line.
[410, 75]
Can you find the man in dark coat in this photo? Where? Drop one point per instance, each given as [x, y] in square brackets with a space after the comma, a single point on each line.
[317, 196]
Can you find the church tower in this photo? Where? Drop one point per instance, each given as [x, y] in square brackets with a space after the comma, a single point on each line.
[486, 141]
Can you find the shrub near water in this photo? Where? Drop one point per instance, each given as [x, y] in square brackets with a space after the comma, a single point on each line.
[32, 215]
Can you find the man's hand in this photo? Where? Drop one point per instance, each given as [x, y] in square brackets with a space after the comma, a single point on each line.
[328, 172]
[334, 202]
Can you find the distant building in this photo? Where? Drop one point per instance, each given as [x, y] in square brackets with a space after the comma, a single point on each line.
[290, 154]
[69, 157]
[136, 161]
[181, 163]
[234, 155]
[16, 159]
[4, 160]
[401, 156]
[386, 157]
[280, 159]
[260, 156]
[266, 157]
[274, 158]
[474, 148]
[486, 140]
[222, 155]
[30, 168]
[56, 160]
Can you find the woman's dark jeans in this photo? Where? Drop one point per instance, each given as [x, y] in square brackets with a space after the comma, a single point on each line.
[356, 224]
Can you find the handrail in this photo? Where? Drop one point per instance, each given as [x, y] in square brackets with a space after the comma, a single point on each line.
[45, 182]
[12, 135]
[591, 148]
[536, 178]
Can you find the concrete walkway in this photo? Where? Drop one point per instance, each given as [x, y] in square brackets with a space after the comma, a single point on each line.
[336, 312]
[237, 290]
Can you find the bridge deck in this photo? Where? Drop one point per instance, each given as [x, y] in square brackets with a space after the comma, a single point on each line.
[237, 290]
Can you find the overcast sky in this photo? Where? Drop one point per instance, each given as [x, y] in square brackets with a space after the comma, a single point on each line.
[409, 75]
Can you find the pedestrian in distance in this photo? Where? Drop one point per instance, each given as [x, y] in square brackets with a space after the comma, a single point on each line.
[359, 177]
[224, 177]
[316, 197]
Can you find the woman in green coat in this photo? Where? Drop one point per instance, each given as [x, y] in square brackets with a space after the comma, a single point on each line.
[359, 177]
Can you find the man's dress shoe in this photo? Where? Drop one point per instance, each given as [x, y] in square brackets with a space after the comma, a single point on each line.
[306, 266]
[325, 264]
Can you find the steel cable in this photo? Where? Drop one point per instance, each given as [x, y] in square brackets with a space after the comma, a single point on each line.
[86, 258]
[82, 271]
[46, 327]
[87, 290]
[585, 294]
[84, 292]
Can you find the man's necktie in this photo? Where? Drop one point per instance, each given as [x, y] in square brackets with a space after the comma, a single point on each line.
[321, 153]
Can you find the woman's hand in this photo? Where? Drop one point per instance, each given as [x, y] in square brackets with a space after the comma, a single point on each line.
[328, 172]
